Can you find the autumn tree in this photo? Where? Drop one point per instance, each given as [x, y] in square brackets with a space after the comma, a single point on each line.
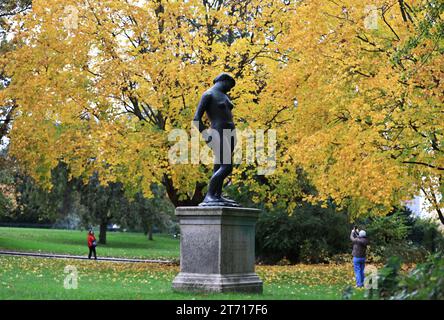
[353, 90]
[367, 77]
[8, 9]
[100, 85]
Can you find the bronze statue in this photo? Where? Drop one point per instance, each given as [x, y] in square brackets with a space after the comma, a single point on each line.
[221, 136]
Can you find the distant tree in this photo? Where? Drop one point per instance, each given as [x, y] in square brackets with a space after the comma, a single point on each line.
[152, 212]
[8, 195]
[105, 204]
[35, 204]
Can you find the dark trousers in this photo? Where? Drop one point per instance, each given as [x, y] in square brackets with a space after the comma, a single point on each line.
[91, 251]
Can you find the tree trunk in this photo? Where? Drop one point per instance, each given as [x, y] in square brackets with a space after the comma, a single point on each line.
[102, 234]
[432, 198]
[173, 194]
[4, 127]
[150, 232]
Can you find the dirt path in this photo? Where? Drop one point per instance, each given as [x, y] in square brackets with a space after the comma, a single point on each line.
[66, 256]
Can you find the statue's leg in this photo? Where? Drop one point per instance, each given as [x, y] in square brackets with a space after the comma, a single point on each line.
[217, 180]
[226, 167]
[223, 151]
[231, 146]
[216, 167]
[219, 171]
[224, 172]
[216, 146]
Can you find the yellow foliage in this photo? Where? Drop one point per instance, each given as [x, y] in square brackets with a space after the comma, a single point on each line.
[104, 95]
[369, 124]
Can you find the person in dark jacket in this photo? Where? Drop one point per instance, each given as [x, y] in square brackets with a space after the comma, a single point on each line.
[92, 244]
[360, 243]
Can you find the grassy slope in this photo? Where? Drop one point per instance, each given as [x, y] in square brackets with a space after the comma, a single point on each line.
[134, 245]
[37, 278]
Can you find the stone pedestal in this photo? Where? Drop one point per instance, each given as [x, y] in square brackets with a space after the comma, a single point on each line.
[217, 250]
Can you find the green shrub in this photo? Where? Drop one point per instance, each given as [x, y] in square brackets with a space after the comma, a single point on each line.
[403, 235]
[388, 229]
[311, 235]
[424, 232]
[425, 282]
[341, 258]
[5, 205]
[388, 279]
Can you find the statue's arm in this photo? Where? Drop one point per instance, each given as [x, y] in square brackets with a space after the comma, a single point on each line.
[201, 108]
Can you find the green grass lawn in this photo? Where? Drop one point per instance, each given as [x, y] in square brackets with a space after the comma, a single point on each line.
[39, 278]
[119, 244]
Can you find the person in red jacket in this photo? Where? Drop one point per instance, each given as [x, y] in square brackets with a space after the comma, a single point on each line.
[92, 244]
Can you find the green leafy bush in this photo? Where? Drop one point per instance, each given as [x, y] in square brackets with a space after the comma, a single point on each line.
[388, 229]
[403, 235]
[425, 282]
[5, 205]
[311, 235]
[424, 232]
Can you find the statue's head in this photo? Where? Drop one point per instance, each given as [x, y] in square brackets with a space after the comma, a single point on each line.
[226, 81]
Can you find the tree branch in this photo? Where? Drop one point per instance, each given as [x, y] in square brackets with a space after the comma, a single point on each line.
[424, 164]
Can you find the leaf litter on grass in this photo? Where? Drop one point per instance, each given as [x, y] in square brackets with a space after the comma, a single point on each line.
[126, 273]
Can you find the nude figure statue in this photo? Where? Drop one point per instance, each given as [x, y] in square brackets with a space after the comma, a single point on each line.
[220, 137]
